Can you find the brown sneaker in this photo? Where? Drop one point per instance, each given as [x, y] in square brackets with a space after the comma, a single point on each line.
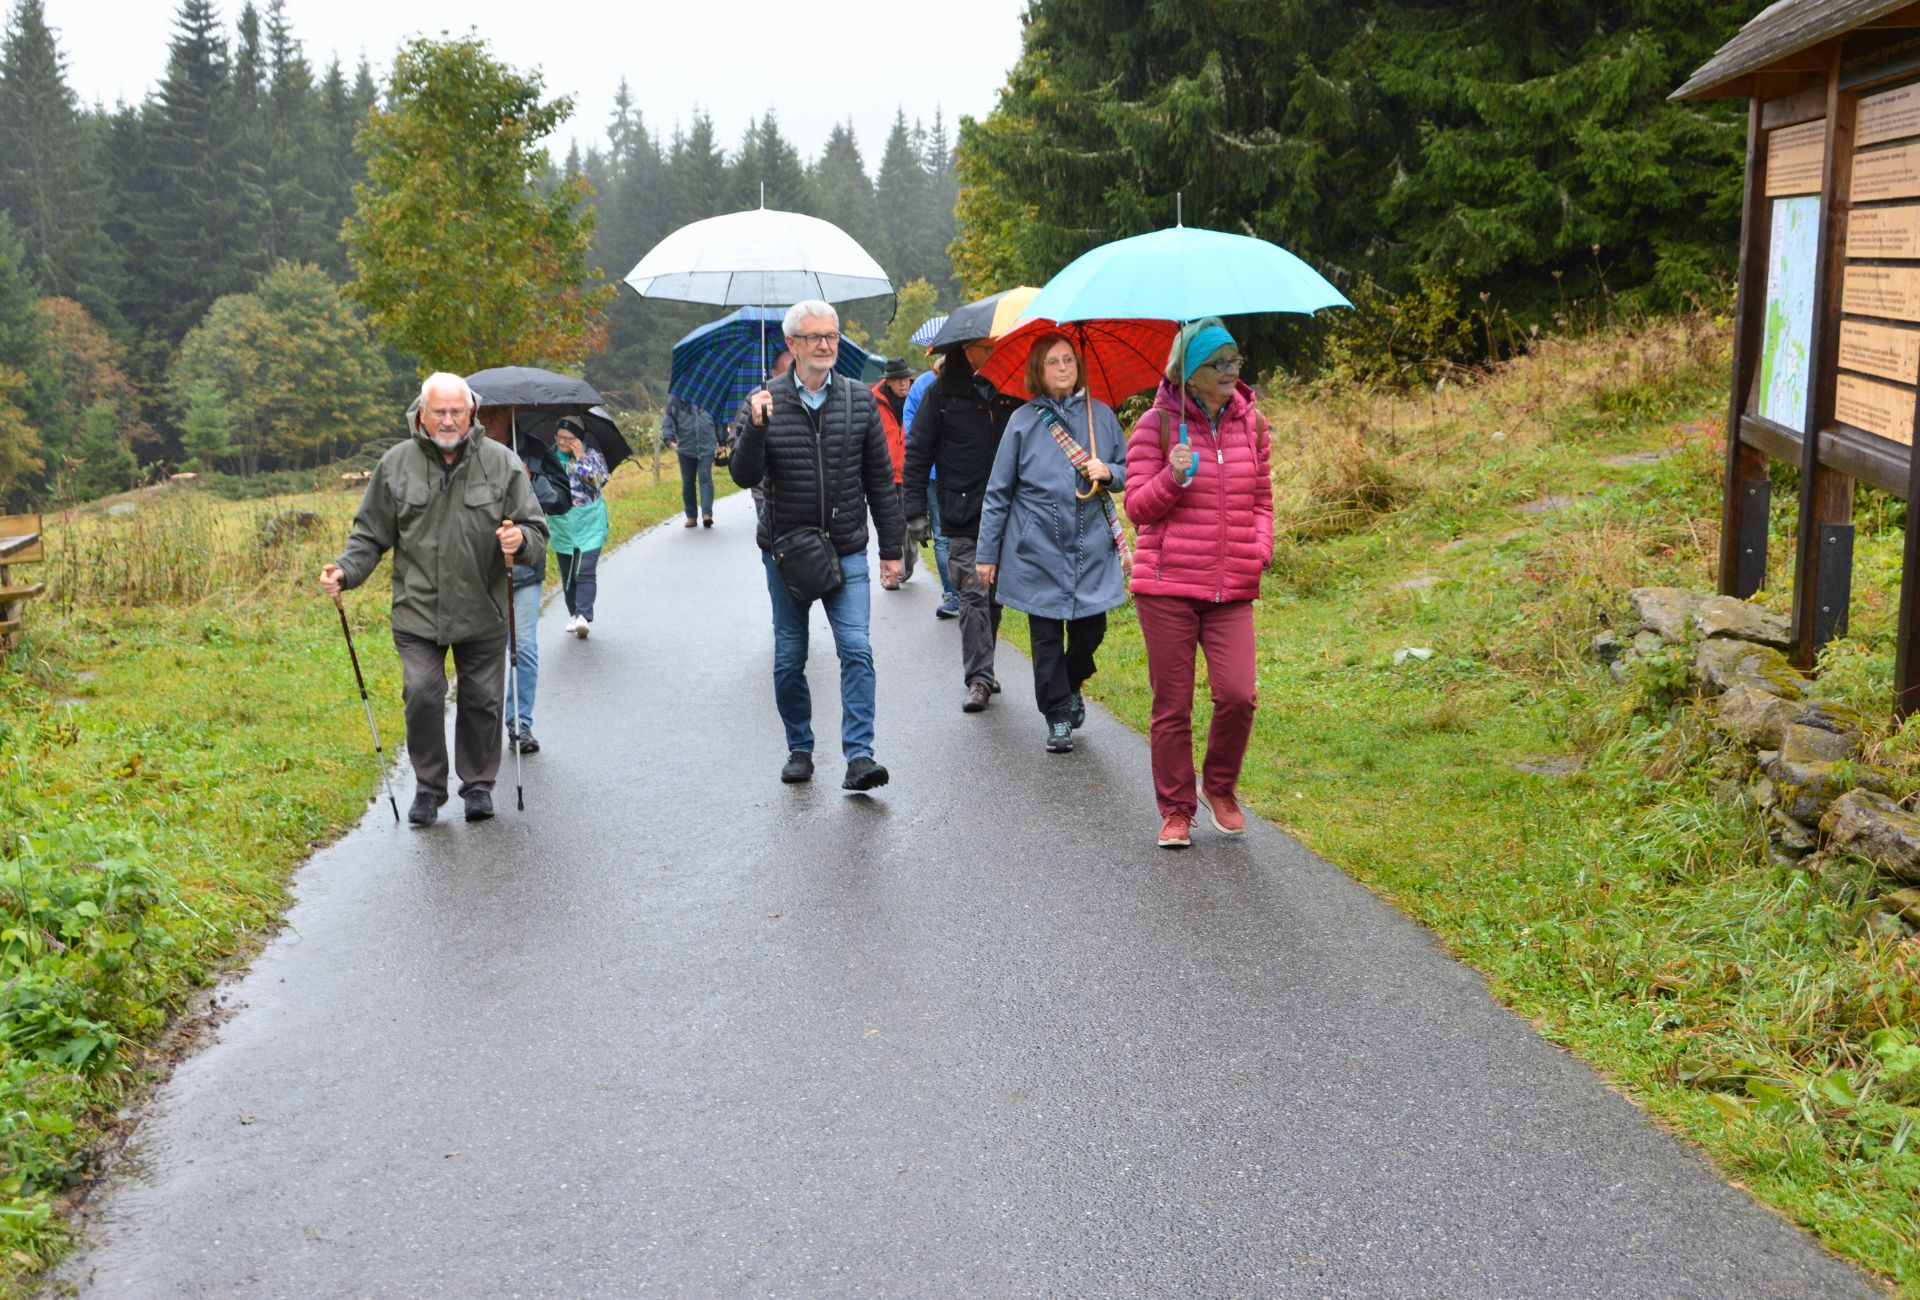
[1176, 832]
[1226, 815]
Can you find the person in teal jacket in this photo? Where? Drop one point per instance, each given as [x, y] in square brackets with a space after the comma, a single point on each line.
[579, 534]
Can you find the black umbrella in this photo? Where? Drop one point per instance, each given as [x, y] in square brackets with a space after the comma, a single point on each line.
[540, 397]
[531, 386]
[602, 433]
[988, 318]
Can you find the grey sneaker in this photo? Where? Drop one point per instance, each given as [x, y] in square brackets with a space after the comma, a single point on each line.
[426, 809]
[479, 805]
[1060, 737]
[1076, 711]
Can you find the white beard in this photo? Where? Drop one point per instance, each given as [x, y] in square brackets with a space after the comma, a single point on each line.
[448, 442]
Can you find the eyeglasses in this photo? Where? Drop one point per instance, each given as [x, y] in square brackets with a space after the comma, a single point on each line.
[1227, 366]
[446, 412]
[818, 340]
[1068, 360]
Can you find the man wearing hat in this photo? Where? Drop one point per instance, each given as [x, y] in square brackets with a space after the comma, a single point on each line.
[890, 395]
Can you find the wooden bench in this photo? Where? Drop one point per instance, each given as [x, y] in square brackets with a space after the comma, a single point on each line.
[19, 544]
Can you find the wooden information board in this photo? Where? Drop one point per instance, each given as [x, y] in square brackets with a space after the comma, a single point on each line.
[1890, 115]
[1890, 291]
[1884, 232]
[1884, 350]
[1890, 173]
[1795, 156]
[1875, 407]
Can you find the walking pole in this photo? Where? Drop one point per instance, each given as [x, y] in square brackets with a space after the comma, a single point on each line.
[379, 754]
[513, 667]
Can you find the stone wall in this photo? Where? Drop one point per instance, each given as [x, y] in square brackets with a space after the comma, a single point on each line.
[1796, 758]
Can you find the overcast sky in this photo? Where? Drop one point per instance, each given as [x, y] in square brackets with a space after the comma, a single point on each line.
[735, 58]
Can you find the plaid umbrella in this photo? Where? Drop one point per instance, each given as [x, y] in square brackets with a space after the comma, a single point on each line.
[717, 365]
[925, 334]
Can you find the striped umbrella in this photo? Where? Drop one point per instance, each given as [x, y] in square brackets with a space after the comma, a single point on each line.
[1121, 357]
[925, 334]
[717, 365]
[988, 318]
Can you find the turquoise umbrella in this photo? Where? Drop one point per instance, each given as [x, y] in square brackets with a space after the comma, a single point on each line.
[1181, 275]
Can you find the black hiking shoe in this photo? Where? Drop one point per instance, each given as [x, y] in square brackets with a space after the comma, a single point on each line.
[521, 738]
[479, 805]
[797, 769]
[977, 696]
[426, 809]
[864, 774]
[1076, 711]
[1060, 737]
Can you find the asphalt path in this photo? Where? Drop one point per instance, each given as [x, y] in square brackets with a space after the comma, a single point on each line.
[680, 1030]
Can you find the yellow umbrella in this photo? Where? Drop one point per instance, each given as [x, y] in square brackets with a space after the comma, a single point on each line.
[988, 318]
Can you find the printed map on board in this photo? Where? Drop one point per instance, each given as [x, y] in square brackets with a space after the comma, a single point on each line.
[1792, 254]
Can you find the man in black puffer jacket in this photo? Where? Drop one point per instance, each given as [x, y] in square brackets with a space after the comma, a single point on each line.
[814, 444]
[956, 429]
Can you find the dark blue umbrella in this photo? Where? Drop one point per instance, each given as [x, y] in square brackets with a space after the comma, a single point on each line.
[717, 365]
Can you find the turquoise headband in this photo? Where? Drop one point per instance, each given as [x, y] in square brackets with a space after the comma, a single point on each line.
[1203, 345]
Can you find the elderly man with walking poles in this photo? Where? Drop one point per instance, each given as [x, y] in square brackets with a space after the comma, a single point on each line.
[456, 509]
[814, 443]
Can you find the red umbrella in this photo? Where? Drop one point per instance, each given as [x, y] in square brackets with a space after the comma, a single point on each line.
[1121, 357]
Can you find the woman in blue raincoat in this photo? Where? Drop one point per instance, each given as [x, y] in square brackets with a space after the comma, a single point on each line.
[1048, 534]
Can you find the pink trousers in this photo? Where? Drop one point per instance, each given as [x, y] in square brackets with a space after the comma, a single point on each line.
[1173, 626]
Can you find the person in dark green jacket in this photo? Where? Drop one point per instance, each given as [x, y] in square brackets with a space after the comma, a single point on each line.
[456, 510]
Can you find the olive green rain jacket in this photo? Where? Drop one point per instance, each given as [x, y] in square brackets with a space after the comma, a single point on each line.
[449, 578]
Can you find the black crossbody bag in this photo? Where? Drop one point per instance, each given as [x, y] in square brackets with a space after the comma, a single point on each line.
[808, 564]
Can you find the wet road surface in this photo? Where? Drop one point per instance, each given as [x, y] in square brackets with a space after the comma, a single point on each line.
[679, 1030]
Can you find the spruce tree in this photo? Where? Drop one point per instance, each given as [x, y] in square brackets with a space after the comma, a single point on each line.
[206, 430]
[106, 464]
[842, 193]
[697, 174]
[294, 164]
[190, 223]
[52, 179]
[899, 195]
[767, 159]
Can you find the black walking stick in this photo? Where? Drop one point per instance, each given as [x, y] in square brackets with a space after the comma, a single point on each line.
[513, 664]
[380, 755]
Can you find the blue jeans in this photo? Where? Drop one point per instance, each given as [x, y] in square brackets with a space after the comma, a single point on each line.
[697, 469]
[579, 580]
[526, 627]
[939, 540]
[847, 612]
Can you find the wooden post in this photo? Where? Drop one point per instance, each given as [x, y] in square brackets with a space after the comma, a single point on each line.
[1906, 635]
[1826, 497]
[1746, 463]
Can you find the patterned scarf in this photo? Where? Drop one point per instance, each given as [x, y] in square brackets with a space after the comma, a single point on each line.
[1078, 456]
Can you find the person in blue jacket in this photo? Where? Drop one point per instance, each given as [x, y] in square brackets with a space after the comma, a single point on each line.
[949, 607]
[582, 531]
[1048, 534]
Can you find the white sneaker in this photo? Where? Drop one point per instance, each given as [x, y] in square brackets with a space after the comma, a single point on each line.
[580, 626]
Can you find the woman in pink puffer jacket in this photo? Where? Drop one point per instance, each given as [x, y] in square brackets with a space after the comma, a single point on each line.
[1199, 491]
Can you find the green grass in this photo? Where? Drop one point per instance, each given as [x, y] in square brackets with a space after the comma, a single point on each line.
[181, 731]
[1627, 908]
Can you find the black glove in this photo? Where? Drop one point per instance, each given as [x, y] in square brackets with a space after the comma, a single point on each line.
[919, 530]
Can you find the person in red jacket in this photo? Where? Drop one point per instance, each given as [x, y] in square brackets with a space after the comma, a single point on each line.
[1199, 491]
[890, 395]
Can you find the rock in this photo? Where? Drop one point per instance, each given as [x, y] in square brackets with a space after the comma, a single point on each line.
[1750, 716]
[1790, 835]
[1421, 583]
[1728, 617]
[1801, 744]
[1548, 766]
[1418, 653]
[1829, 715]
[1886, 925]
[1619, 670]
[1905, 902]
[1646, 643]
[1721, 663]
[1808, 783]
[1666, 610]
[121, 508]
[1764, 794]
[1877, 829]
[285, 527]
[1785, 857]
[1636, 458]
[1605, 647]
[1547, 504]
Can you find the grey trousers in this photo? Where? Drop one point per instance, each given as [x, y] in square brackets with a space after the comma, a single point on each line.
[979, 613]
[481, 666]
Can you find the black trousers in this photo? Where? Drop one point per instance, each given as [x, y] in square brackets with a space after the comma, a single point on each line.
[1063, 659]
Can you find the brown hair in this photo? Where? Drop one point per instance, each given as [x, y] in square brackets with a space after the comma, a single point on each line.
[1037, 364]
